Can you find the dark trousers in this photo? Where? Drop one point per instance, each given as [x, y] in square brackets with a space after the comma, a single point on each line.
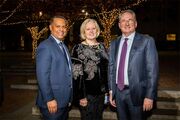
[61, 114]
[94, 109]
[125, 108]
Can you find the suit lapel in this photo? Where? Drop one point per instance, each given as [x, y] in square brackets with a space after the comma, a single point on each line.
[136, 43]
[117, 48]
[59, 49]
[68, 60]
[55, 44]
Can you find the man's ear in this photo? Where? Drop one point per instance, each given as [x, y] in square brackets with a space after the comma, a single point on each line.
[50, 27]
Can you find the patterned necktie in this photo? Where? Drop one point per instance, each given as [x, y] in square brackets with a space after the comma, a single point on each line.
[121, 65]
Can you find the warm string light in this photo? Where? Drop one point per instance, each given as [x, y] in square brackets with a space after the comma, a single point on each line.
[106, 18]
[70, 24]
[79, 17]
[28, 22]
[12, 13]
[120, 9]
[107, 21]
[3, 3]
[35, 37]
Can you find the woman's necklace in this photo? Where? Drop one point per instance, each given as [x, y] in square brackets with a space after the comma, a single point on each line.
[95, 44]
[91, 43]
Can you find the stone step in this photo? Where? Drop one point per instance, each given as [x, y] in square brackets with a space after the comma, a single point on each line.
[22, 67]
[18, 74]
[168, 105]
[168, 108]
[32, 81]
[165, 103]
[172, 97]
[169, 94]
[16, 61]
[106, 114]
[164, 117]
[24, 86]
[171, 112]
[18, 70]
[74, 113]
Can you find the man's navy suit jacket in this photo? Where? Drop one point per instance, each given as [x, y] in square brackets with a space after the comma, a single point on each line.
[53, 74]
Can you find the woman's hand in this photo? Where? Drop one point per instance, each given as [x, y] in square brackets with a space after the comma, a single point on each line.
[83, 102]
[113, 103]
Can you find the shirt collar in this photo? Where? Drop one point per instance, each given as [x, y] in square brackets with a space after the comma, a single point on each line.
[57, 41]
[130, 37]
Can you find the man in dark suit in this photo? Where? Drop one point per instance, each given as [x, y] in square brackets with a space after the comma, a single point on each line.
[54, 75]
[133, 70]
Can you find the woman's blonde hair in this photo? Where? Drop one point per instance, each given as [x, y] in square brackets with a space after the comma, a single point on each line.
[83, 26]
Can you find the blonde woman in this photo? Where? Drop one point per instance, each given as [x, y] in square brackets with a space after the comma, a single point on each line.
[90, 71]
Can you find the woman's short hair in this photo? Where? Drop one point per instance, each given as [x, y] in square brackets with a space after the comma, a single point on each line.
[83, 26]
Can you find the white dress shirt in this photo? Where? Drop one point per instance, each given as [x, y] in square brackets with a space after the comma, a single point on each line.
[129, 44]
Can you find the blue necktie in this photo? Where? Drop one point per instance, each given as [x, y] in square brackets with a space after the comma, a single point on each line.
[63, 49]
[64, 52]
[121, 65]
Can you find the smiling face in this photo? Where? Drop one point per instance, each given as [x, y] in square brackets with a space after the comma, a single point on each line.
[90, 30]
[58, 28]
[127, 23]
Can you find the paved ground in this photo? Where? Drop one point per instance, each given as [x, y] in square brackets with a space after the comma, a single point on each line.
[18, 103]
